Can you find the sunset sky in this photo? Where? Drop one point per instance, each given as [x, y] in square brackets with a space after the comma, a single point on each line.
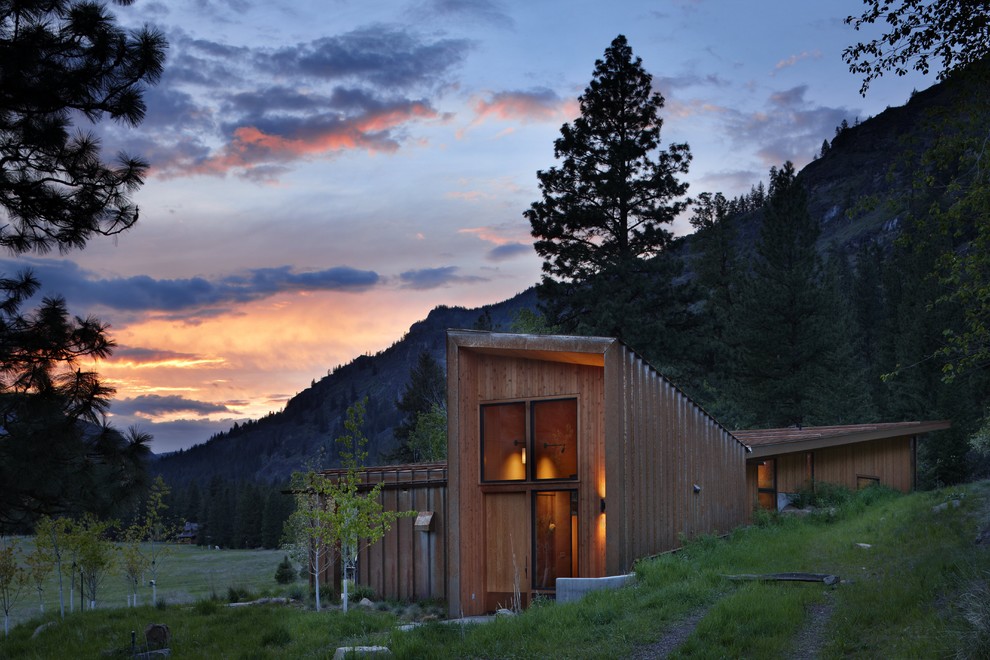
[325, 173]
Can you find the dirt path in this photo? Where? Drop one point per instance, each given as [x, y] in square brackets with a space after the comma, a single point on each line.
[671, 639]
[809, 641]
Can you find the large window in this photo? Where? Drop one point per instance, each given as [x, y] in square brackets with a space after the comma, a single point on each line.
[555, 439]
[503, 441]
[547, 453]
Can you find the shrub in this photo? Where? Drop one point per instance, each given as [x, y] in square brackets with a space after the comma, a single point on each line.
[285, 573]
[239, 594]
[822, 494]
[206, 607]
[361, 591]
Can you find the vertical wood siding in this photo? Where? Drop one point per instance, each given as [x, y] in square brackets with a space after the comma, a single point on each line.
[669, 445]
[484, 378]
[642, 447]
[891, 460]
[405, 564]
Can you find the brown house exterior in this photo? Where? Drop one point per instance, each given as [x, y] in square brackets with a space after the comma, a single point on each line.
[784, 461]
[572, 457]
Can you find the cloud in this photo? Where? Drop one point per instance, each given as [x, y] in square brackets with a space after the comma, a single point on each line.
[509, 251]
[155, 405]
[465, 11]
[790, 128]
[542, 105]
[149, 358]
[434, 278]
[143, 293]
[382, 56]
[794, 59]
[222, 109]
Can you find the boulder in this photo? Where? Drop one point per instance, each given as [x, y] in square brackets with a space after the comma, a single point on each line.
[157, 635]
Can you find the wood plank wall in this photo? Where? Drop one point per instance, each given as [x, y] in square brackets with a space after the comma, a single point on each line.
[889, 459]
[405, 564]
[667, 445]
[486, 378]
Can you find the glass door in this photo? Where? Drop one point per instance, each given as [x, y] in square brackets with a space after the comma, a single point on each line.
[555, 533]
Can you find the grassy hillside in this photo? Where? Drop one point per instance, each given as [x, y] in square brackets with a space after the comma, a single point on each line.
[915, 583]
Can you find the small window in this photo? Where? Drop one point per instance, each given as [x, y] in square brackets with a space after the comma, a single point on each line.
[766, 484]
[863, 481]
[503, 442]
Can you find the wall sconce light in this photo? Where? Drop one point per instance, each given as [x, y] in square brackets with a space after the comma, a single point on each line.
[697, 489]
[548, 445]
[521, 443]
[603, 505]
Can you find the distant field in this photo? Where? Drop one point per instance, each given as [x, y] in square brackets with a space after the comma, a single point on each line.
[187, 574]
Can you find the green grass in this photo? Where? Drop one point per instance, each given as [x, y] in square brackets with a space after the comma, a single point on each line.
[920, 590]
[187, 574]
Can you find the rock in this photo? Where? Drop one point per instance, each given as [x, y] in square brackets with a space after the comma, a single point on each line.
[983, 537]
[42, 628]
[365, 602]
[502, 611]
[361, 651]
[157, 635]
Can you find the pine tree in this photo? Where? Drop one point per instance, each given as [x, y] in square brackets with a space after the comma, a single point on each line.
[791, 356]
[427, 387]
[601, 224]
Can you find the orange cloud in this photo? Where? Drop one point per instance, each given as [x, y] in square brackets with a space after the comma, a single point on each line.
[251, 147]
[525, 107]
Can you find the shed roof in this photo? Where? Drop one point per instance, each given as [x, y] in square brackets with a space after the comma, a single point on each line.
[769, 442]
[588, 351]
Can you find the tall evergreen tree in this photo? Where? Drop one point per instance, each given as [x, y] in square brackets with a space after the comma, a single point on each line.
[601, 225]
[427, 387]
[791, 361]
[62, 62]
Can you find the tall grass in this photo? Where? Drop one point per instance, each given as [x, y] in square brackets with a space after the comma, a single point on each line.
[920, 589]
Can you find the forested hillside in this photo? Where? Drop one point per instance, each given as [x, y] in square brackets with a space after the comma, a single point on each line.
[865, 317]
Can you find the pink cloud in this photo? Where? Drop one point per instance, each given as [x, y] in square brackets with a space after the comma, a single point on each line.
[525, 107]
[251, 147]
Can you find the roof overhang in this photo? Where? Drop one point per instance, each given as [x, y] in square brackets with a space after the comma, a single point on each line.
[771, 442]
[588, 351]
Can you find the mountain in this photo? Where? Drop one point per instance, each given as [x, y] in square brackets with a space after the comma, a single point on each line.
[270, 448]
[848, 187]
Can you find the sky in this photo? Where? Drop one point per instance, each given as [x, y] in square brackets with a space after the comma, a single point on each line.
[325, 173]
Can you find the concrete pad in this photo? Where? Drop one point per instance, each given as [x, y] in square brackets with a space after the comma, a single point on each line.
[571, 589]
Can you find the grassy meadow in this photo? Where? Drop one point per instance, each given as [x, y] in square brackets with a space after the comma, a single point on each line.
[914, 584]
[187, 573]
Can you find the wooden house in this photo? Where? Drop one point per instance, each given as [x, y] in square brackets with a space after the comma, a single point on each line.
[572, 457]
[785, 461]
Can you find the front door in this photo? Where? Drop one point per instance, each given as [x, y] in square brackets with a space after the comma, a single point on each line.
[555, 534]
[507, 544]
